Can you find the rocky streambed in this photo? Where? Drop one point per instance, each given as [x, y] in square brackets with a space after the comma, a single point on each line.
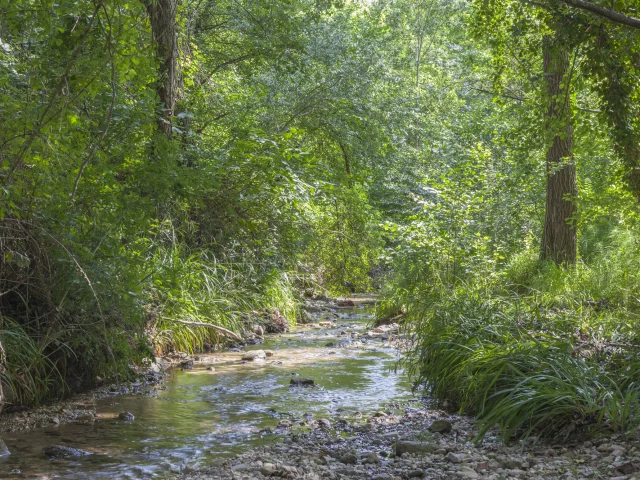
[411, 441]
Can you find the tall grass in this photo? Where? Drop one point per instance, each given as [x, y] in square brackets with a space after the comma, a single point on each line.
[30, 375]
[196, 287]
[279, 294]
[535, 348]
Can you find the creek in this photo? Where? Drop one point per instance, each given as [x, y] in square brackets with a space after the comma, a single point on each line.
[199, 415]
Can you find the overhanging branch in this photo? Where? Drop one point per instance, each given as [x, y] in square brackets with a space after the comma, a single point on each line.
[607, 13]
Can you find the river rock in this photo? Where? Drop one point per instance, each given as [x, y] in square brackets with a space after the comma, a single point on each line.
[186, 364]
[160, 365]
[86, 418]
[59, 451]
[254, 355]
[456, 457]
[301, 382]
[258, 330]
[126, 416]
[605, 448]
[511, 464]
[419, 448]
[467, 472]
[348, 459]
[326, 324]
[268, 353]
[628, 468]
[371, 459]
[211, 369]
[346, 303]
[440, 426]
[242, 467]
[323, 423]
[268, 469]
[284, 424]
[416, 474]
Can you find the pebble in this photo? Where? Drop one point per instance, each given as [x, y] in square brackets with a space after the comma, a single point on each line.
[456, 457]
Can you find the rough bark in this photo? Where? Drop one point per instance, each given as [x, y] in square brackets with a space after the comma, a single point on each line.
[162, 16]
[559, 240]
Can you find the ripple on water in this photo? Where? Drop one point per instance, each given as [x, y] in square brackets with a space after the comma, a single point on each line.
[203, 414]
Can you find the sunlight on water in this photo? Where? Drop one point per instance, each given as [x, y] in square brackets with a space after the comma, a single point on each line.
[202, 415]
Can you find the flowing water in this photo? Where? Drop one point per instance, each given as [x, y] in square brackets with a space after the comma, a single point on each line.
[199, 415]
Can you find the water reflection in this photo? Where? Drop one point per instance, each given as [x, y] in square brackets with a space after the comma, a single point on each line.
[203, 414]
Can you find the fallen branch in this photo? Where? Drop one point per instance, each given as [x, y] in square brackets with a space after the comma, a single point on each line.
[206, 325]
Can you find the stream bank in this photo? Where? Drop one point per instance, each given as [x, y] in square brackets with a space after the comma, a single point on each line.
[223, 406]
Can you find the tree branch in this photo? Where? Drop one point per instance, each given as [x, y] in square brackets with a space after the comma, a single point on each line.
[205, 325]
[607, 13]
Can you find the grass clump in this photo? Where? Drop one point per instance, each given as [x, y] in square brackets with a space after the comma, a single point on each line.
[535, 349]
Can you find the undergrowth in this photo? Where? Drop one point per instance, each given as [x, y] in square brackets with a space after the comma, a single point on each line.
[533, 348]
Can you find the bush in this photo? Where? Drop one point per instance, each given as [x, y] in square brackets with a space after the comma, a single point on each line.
[535, 348]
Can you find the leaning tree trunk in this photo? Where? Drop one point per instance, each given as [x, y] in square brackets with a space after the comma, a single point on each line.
[559, 240]
[162, 16]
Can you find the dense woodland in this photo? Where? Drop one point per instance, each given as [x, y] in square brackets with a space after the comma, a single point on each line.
[474, 162]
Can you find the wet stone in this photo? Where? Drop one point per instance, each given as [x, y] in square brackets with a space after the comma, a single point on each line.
[126, 416]
[254, 355]
[302, 382]
[61, 451]
[186, 364]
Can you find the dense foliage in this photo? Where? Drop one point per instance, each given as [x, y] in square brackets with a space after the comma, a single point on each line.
[259, 151]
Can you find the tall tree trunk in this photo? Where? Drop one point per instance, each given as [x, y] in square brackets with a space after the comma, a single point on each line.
[162, 16]
[559, 240]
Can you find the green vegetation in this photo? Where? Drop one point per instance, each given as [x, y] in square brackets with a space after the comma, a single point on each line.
[476, 162]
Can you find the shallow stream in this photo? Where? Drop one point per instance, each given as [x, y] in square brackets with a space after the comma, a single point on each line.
[199, 415]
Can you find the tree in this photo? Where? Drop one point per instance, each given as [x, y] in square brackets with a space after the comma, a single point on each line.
[608, 66]
[162, 16]
[559, 239]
